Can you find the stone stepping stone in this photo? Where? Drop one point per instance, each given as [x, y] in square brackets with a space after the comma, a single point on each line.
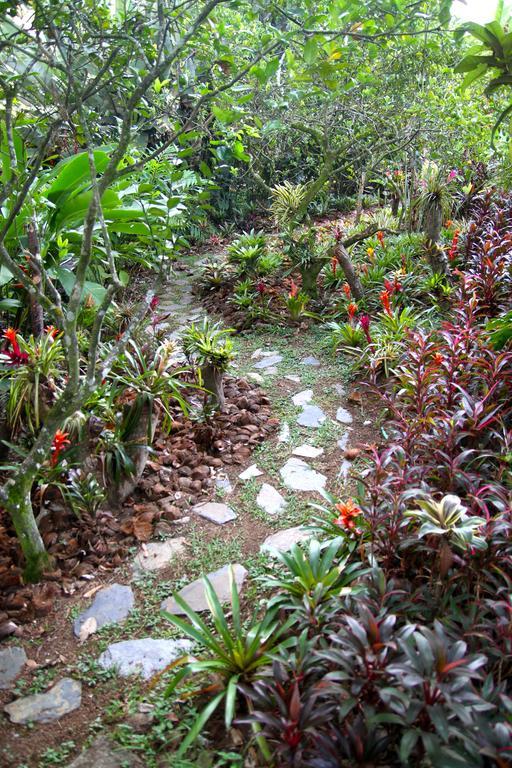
[283, 541]
[313, 361]
[111, 605]
[343, 416]
[63, 697]
[250, 472]
[257, 377]
[293, 377]
[299, 476]
[158, 554]
[269, 362]
[344, 469]
[343, 442]
[103, 753]
[12, 661]
[263, 353]
[270, 371]
[223, 483]
[307, 451]
[311, 416]
[214, 512]
[270, 500]
[284, 434]
[303, 398]
[143, 657]
[194, 594]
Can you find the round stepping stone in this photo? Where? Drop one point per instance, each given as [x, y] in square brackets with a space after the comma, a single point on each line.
[303, 398]
[313, 361]
[143, 657]
[283, 541]
[284, 434]
[270, 500]
[269, 362]
[62, 698]
[12, 661]
[111, 605]
[312, 416]
[299, 476]
[343, 416]
[158, 554]
[103, 753]
[214, 512]
[194, 594]
[250, 472]
[307, 451]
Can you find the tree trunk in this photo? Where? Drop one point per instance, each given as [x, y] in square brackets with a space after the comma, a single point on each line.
[433, 221]
[140, 440]
[19, 506]
[436, 258]
[213, 382]
[360, 195]
[309, 276]
[345, 263]
[35, 308]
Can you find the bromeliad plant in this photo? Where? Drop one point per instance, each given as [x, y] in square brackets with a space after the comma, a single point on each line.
[235, 652]
[296, 302]
[211, 348]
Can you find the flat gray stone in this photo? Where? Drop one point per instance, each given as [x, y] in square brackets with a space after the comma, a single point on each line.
[12, 661]
[311, 416]
[340, 390]
[158, 554]
[223, 483]
[293, 377]
[270, 371]
[194, 594]
[111, 605]
[303, 398]
[343, 416]
[343, 442]
[260, 352]
[313, 361]
[307, 451]
[143, 657]
[214, 512]
[257, 377]
[299, 476]
[250, 473]
[344, 469]
[283, 541]
[284, 434]
[270, 500]
[103, 753]
[269, 362]
[62, 698]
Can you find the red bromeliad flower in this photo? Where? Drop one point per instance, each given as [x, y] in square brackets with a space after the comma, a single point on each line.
[348, 512]
[380, 237]
[15, 355]
[52, 331]
[12, 337]
[452, 253]
[215, 240]
[386, 303]
[364, 320]
[352, 309]
[153, 304]
[261, 287]
[60, 443]
[437, 358]
[346, 290]
[294, 290]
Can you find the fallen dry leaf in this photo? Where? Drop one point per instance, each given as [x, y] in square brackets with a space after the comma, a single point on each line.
[92, 591]
[351, 453]
[142, 529]
[88, 628]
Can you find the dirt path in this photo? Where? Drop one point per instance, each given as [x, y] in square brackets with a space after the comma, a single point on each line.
[255, 507]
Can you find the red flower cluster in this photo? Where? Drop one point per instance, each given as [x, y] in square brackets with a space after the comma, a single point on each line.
[452, 253]
[364, 320]
[294, 290]
[380, 238]
[153, 304]
[60, 443]
[15, 355]
[346, 290]
[52, 331]
[392, 287]
[352, 309]
[348, 512]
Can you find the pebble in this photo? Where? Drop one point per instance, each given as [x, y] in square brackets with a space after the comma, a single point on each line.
[293, 377]
[284, 434]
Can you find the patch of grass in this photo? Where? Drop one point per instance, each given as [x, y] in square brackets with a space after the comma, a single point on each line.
[56, 756]
[206, 556]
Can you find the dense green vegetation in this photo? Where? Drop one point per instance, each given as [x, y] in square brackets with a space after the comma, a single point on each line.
[335, 174]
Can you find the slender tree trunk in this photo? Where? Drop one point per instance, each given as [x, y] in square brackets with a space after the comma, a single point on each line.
[213, 382]
[345, 263]
[360, 196]
[140, 440]
[35, 308]
[19, 505]
[309, 277]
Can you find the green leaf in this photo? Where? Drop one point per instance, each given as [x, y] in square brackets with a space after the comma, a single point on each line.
[73, 171]
[199, 724]
[225, 115]
[311, 50]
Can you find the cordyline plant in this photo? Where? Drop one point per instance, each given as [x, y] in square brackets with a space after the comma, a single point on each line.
[71, 75]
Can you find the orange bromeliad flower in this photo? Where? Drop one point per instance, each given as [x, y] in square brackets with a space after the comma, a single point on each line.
[386, 303]
[380, 237]
[352, 309]
[12, 336]
[60, 443]
[346, 290]
[52, 331]
[294, 289]
[348, 511]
